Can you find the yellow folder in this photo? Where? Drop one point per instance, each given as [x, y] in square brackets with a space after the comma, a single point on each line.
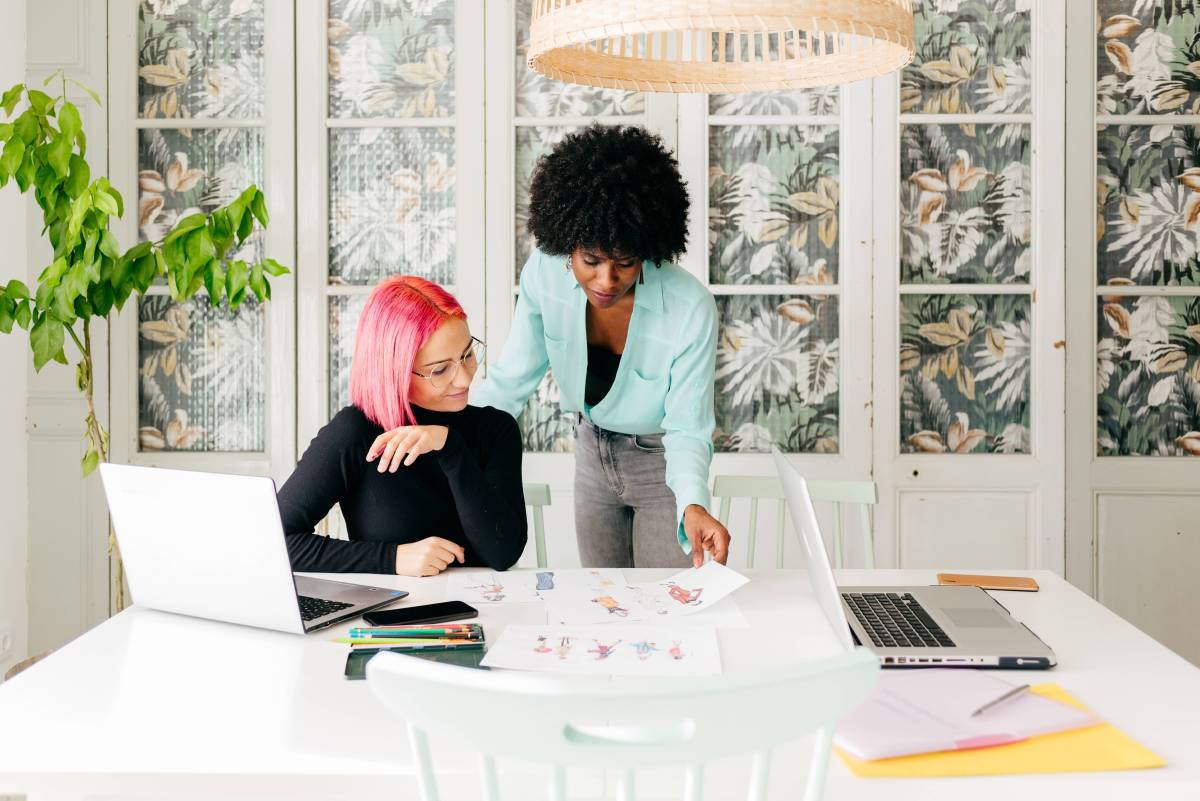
[1100, 747]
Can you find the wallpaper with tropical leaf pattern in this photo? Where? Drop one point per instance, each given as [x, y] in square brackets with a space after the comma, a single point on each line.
[777, 373]
[972, 57]
[1148, 57]
[202, 375]
[200, 58]
[965, 374]
[965, 204]
[391, 58]
[1148, 376]
[774, 194]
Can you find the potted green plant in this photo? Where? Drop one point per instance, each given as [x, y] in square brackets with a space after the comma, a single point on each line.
[91, 277]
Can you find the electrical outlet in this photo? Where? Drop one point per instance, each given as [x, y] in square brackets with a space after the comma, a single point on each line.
[6, 639]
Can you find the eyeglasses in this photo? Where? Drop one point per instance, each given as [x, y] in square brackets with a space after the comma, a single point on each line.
[442, 374]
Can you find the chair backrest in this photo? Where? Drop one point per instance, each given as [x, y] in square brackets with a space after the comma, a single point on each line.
[862, 494]
[537, 497]
[625, 723]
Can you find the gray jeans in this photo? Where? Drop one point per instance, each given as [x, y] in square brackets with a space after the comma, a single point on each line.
[624, 510]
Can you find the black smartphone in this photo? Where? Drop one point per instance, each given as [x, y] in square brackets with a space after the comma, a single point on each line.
[429, 613]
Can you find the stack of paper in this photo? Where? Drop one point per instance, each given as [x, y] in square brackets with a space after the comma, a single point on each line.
[918, 723]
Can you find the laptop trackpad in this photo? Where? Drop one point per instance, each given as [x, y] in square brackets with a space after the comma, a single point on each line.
[969, 618]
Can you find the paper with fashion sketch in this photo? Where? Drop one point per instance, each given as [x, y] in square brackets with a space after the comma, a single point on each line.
[607, 650]
[685, 593]
[525, 586]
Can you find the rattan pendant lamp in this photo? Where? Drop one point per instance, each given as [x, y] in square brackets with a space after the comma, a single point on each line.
[718, 45]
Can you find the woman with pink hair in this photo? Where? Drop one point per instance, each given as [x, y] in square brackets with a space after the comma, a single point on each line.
[445, 487]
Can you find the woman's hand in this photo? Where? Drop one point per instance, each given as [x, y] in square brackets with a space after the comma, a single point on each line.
[427, 557]
[405, 444]
[705, 533]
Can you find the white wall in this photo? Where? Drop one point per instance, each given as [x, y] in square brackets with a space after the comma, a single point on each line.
[14, 353]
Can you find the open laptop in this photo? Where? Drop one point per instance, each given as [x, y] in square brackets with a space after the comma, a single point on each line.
[212, 545]
[910, 626]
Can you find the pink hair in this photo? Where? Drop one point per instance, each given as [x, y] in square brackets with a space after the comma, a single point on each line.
[399, 317]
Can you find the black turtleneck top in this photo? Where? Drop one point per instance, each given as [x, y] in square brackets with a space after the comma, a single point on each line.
[469, 492]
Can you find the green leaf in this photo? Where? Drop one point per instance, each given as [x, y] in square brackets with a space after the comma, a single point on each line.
[274, 268]
[14, 151]
[90, 461]
[81, 380]
[44, 296]
[87, 89]
[138, 250]
[81, 140]
[214, 282]
[11, 98]
[46, 339]
[68, 120]
[24, 314]
[6, 130]
[258, 205]
[115, 195]
[26, 173]
[108, 245]
[235, 282]
[90, 240]
[245, 228]
[26, 126]
[17, 290]
[200, 246]
[187, 224]
[7, 318]
[222, 232]
[106, 203]
[80, 174]
[257, 283]
[40, 101]
[101, 298]
[58, 155]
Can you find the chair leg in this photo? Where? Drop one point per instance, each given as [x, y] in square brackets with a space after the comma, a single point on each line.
[760, 771]
[815, 786]
[558, 784]
[539, 537]
[625, 785]
[693, 783]
[864, 522]
[487, 772]
[425, 778]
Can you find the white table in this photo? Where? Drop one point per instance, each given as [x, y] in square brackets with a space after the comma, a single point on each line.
[152, 704]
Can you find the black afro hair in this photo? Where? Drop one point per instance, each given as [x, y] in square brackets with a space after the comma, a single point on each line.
[613, 188]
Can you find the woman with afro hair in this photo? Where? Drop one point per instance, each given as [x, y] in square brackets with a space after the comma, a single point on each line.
[631, 338]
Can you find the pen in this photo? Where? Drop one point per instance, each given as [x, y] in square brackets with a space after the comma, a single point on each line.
[415, 632]
[407, 640]
[1013, 693]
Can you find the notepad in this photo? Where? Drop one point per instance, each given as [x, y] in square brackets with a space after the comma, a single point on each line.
[926, 710]
[1093, 748]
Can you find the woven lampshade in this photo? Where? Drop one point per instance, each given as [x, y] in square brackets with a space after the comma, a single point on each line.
[718, 45]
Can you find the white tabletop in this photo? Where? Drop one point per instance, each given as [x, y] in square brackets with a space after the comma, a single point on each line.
[148, 702]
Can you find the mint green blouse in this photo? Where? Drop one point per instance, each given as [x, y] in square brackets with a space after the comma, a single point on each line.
[665, 380]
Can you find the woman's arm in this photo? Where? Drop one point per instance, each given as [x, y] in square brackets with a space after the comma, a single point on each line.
[334, 462]
[513, 377]
[488, 491]
[688, 420]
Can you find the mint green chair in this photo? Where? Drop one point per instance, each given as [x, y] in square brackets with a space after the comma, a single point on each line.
[862, 494]
[623, 723]
[537, 497]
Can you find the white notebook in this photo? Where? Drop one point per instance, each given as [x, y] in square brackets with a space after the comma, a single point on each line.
[924, 710]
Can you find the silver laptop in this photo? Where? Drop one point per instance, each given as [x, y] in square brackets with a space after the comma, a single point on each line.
[211, 545]
[911, 626]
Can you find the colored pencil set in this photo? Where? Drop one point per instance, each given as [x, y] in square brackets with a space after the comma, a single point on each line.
[450, 637]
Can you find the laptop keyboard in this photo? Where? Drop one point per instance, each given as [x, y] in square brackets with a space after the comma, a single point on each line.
[313, 608]
[895, 620]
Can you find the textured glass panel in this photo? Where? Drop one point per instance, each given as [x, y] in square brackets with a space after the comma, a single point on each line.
[391, 58]
[183, 171]
[545, 428]
[532, 144]
[964, 373]
[965, 204]
[391, 204]
[819, 100]
[1148, 376]
[778, 372]
[202, 58]
[1147, 53]
[344, 311]
[773, 204]
[541, 97]
[972, 56]
[203, 375]
[1147, 203]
